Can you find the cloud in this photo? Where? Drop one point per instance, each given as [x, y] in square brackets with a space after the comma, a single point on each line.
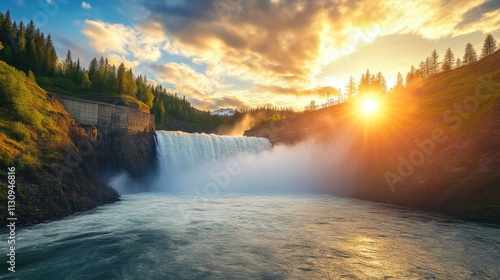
[434, 19]
[86, 5]
[63, 43]
[316, 91]
[262, 46]
[217, 103]
[116, 60]
[477, 13]
[186, 80]
[122, 40]
[278, 47]
[284, 44]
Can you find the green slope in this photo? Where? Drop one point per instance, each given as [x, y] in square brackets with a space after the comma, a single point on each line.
[36, 137]
[438, 145]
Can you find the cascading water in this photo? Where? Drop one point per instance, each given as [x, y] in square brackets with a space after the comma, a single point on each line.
[183, 157]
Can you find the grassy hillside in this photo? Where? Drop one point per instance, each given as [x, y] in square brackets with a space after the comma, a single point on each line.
[36, 137]
[27, 124]
[437, 146]
[433, 145]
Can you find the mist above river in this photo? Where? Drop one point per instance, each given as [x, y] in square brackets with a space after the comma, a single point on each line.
[210, 164]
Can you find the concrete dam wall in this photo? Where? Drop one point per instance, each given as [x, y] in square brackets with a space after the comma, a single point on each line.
[108, 117]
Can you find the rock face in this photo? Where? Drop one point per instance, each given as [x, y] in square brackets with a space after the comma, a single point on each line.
[131, 153]
[121, 137]
[68, 185]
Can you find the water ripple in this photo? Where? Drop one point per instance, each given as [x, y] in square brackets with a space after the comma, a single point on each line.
[159, 236]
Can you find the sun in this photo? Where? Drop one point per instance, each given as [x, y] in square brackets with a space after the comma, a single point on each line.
[369, 106]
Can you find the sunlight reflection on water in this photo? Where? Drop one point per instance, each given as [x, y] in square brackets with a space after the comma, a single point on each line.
[161, 236]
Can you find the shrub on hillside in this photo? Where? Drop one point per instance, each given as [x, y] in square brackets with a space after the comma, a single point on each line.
[17, 98]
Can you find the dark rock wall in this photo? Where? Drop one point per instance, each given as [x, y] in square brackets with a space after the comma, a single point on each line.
[132, 153]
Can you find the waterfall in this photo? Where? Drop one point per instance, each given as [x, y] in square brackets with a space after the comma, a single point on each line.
[183, 156]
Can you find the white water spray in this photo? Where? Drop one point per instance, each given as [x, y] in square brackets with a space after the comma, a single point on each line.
[210, 164]
[186, 159]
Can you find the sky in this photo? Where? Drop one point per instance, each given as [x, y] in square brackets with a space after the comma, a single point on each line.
[248, 53]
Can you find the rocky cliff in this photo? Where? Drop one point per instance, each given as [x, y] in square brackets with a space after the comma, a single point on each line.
[65, 181]
[133, 154]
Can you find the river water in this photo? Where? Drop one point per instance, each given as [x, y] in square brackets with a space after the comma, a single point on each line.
[250, 236]
[237, 208]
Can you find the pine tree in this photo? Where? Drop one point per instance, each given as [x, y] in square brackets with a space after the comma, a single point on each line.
[458, 63]
[365, 82]
[21, 46]
[93, 67]
[419, 74]
[449, 60]
[144, 92]
[120, 75]
[130, 85]
[351, 88]
[6, 29]
[68, 65]
[411, 75]
[489, 45]
[51, 57]
[111, 80]
[380, 83]
[399, 82]
[26, 48]
[97, 74]
[39, 66]
[470, 55]
[424, 68]
[126, 83]
[7, 35]
[85, 81]
[77, 72]
[31, 54]
[434, 63]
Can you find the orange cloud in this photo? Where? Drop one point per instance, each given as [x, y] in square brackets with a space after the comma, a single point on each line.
[116, 60]
[287, 42]
[280, 47]
[185, 79]
[119, 39]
